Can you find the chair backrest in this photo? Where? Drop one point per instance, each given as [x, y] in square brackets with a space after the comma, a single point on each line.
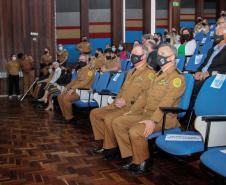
[206, 47]
[129, 66]
[195, 62]
[210, 100]
[116, 82]
[73, 75]
[97, 77]
[180, 62]
[185, 99]
[124, 64]
[103, 81]
[199, 36]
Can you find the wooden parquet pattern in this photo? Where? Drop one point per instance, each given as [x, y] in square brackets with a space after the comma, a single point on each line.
[36, 148]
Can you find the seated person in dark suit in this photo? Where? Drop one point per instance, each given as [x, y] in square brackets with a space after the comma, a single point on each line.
[215, 60]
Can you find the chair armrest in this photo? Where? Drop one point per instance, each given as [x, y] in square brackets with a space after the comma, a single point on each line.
[83, 89]
[174, 110]
[105, 92]
[214, 118]
[189, 72]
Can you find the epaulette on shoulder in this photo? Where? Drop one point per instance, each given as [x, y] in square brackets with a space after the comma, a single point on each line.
[179, 71]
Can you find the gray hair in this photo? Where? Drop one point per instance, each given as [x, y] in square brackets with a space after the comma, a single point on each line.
[56, 64]
[173, 49]
[145, 49]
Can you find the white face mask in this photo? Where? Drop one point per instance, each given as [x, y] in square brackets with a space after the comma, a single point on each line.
[13, 58]
[60, 48]
[50, 70]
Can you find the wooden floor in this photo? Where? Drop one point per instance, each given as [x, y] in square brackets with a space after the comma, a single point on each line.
[37, 148]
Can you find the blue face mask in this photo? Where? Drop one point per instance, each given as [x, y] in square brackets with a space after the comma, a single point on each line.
[113, 49]
[120, 48]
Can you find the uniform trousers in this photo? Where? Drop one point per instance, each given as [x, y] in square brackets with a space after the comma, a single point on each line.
[101, 121]
[130, 136]
[65, 101]
[14, 84]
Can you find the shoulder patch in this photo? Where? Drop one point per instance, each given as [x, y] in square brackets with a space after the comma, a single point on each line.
[151, 76]
[90, 73]
[177, 82]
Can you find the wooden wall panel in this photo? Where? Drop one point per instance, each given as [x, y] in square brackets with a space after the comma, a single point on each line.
[17, 20]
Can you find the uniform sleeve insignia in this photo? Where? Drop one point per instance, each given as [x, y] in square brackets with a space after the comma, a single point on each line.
[90, 73]
[177, 82]
[151, 76]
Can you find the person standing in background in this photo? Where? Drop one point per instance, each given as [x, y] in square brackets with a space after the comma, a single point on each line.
[27, 65]
[13, 68]
[84, 47]
[46, 61]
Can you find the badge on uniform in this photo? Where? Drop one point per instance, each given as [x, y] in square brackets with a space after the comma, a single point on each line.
[177, 82]
[90, 73]
[151, 76]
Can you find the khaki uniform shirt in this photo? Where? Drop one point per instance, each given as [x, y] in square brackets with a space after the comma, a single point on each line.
[84, 47]
[98, 62]
[27, 64]
[137, 82]
[13, 67]
[84, 79]
[112, 64]
[166, 91]
[46, 59]
[62, 56]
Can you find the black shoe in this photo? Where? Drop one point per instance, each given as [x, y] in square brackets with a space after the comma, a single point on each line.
[111, 154]
[98, 150]
[129, 165]
[71, 121]
[144, 167]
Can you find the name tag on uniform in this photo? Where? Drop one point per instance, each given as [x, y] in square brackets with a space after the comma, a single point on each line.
[163, 82]
[138, 78]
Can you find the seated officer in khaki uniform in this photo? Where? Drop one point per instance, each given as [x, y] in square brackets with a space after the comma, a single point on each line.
[84, 79]
[111, 63]
[84, 47]
[145, 117]
[99, 60]
[27, 66]
[137, 81]
[62, 55]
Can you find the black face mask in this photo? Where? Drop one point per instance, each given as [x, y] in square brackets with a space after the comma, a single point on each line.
[218, 39]
[135, 59]
[167, 40]
[204, 24]
[223, 14]
[161, 60]
[186, 37]
[156, 40]
[108, 57]
[46, 52]
[165, 32]
[82, 64]
[96, 55]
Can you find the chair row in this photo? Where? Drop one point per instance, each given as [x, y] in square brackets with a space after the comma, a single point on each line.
[209, 139]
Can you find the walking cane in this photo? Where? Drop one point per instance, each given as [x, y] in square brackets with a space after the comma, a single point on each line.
[29, 89]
